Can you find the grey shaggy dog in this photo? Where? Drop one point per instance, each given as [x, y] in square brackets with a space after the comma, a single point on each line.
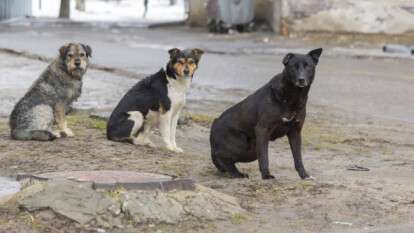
[49, 98]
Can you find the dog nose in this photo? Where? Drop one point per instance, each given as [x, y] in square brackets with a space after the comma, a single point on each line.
[77, 62]
[302, 81]
[186, 72]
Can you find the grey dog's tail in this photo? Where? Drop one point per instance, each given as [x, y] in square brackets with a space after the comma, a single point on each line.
[37, 135]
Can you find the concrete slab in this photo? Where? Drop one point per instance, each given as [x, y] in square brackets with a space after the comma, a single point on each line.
[109, 179]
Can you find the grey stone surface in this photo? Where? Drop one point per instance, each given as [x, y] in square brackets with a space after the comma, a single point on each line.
[76, 201]
[102, 208]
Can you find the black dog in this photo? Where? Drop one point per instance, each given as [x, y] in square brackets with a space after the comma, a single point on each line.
[242, 133]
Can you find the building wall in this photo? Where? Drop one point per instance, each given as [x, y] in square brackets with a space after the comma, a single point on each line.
[344, 16]
[197, 14]
[348, 16]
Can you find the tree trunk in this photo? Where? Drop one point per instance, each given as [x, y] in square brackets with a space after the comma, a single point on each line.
[64, 9]
[80, 5]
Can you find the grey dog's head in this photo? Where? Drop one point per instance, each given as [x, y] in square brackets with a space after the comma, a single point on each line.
[75, 58]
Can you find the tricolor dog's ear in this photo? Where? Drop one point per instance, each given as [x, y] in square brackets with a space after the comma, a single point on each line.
[287, 58]
[63, 50]
[173, 52]
[197, 53]
[87, 49]
[315, 54]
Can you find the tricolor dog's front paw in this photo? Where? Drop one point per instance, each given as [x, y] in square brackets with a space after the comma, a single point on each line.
[56, 134]
[178, 150]
[174, 149]
[67, 133]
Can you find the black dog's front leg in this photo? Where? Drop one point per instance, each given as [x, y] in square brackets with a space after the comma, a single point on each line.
[295, 141]
[262, 144]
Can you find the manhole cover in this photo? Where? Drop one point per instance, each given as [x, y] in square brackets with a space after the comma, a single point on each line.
[113, 179]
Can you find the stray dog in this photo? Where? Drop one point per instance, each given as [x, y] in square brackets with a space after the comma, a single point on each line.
[158, 98]
[242, 133]
[50, 96]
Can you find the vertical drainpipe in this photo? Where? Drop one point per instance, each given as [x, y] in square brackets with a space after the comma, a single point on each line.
[277, 16]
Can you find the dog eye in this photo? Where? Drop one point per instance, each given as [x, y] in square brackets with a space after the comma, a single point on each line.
[191, 62]
[70, 55]
[305, 65]
[181, 62]
[82, 54]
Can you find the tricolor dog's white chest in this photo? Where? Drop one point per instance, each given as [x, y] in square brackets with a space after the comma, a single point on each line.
[177, 90]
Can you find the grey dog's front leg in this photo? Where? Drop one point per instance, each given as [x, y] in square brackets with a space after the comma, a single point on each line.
[60, 118]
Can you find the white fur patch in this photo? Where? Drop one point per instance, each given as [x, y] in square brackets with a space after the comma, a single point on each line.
[138, 120]
[149, 122]
[177, 90]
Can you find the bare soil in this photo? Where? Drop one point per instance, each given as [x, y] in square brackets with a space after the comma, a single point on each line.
[340, 199]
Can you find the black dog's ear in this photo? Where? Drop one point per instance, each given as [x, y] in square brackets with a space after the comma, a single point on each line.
[287, 58]
[87, 49]
[315, 54]
[197, 53]
[63, 50]
[173, 52]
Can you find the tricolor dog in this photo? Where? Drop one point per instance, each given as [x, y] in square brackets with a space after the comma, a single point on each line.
[242, 133]
[155, 100]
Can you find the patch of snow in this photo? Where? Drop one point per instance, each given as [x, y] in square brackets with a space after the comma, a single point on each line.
[8, 186]
[115, 11]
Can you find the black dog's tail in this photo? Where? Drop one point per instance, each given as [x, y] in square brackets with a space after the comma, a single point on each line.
[37, 135]
[213, 150]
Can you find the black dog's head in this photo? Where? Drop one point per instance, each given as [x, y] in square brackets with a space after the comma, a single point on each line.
[75, 58]
[183, 63]
[300, 68]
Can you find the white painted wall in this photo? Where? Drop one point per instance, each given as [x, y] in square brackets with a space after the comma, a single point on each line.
[362, 16]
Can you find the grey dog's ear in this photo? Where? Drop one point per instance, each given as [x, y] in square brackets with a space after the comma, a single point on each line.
[173, 52]
[315, 54]
[87, 49]
[287, 58]
[63, 50]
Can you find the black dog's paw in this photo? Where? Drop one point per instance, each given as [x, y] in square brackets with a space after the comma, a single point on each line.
[267, 177]
[304, 175]
[240, 175]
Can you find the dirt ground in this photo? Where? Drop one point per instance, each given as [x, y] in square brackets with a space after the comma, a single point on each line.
[338, 200]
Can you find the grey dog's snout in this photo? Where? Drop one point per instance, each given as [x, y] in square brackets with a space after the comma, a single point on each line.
[77, 62]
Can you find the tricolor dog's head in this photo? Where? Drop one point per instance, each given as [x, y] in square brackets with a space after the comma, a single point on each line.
[183, 63]
[75, 58]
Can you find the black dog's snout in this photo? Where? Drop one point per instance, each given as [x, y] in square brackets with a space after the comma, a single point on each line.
[77, 62]
[301, 80]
